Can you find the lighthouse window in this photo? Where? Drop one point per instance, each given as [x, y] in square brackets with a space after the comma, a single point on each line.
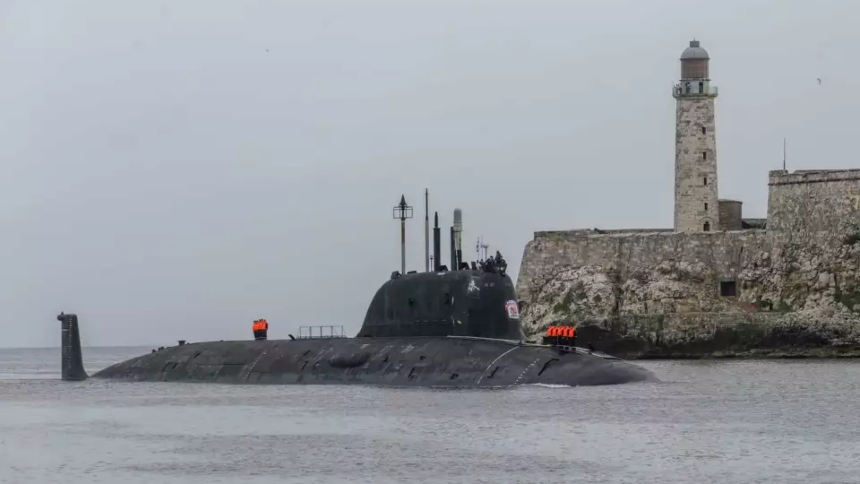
[704, 130]
[706, 227]
[705, 181]
[704, 155]
[706, 205]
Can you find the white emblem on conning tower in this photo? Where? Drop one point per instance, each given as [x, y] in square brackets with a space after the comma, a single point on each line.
[473, 287]
[513, 309]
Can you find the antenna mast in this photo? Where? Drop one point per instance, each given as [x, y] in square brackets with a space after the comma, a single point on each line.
[481, 248]
[426, 230]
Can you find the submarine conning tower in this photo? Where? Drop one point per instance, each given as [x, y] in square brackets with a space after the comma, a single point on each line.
[477, 302]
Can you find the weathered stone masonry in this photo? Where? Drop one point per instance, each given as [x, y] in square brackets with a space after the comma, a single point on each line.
[809, 202]
[686, 294]
[787, 284]
[696, 202]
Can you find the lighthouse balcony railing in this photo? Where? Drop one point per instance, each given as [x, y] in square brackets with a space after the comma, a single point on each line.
[693, 89]
[321, 331]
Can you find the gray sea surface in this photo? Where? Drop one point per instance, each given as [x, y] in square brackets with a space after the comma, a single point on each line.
[706, 422]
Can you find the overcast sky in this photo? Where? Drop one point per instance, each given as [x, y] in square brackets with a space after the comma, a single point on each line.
[177, 169]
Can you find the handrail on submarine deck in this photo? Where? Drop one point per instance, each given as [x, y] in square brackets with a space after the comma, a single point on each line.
[514, 342]
[333, 331]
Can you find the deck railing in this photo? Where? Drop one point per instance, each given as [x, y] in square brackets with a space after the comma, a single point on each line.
[680, 89]
[322, 331]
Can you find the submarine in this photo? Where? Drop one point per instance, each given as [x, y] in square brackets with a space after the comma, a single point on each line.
[439, 328]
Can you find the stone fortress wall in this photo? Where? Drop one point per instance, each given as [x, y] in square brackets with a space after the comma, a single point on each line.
[716, 283]
[815, 201]
[663, 293]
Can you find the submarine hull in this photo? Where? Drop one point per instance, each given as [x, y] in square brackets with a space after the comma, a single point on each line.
[431, 329]
[450, 361]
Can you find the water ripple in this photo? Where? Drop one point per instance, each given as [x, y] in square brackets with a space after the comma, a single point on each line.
[709, 422]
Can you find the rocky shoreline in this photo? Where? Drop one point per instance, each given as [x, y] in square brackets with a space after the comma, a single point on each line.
[790, 354]
[785, 353]
[649, 296]
[721, 336]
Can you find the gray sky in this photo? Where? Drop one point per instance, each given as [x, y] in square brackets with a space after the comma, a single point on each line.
[166, 177]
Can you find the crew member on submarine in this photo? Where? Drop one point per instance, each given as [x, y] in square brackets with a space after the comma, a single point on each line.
[261, 329]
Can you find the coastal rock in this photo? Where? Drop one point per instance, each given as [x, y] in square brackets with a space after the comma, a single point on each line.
[693, 295]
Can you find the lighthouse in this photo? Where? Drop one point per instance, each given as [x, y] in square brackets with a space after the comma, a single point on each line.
[696, 194]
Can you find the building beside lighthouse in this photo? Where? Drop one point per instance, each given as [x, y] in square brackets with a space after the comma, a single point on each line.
[713, 266]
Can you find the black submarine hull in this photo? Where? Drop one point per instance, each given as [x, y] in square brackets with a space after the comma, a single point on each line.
[426, 361]
[434, 329]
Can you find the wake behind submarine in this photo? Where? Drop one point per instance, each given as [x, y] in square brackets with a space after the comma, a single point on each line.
[438, 328]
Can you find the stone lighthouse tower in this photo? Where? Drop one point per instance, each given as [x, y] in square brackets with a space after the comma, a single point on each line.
[696, 202]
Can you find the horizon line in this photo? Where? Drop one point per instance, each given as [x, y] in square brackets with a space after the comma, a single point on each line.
[58, 347]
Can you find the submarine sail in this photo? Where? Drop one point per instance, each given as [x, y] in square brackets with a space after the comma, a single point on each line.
[459, 303]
